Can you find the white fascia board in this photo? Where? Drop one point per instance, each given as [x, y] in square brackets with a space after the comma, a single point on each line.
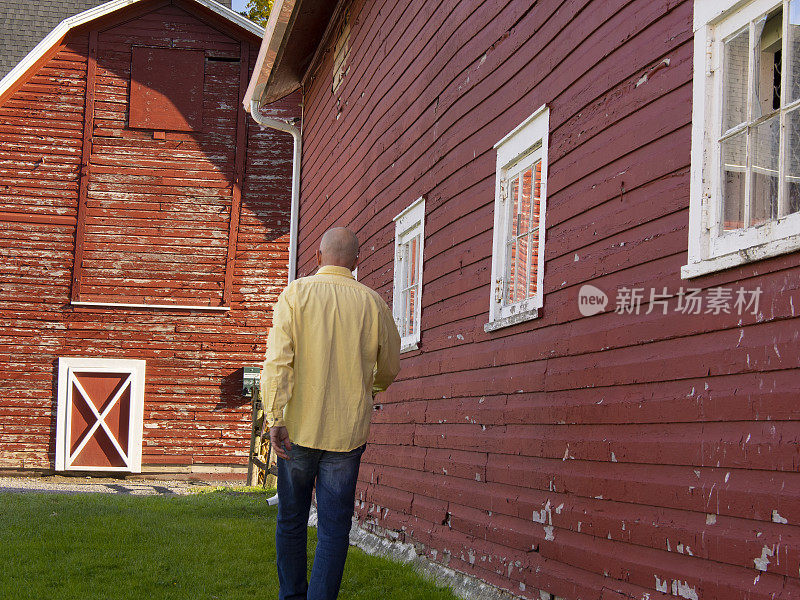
[57, 34]
[274, 32]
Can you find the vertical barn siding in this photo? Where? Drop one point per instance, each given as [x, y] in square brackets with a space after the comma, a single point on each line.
[158, 211]
[655, 455]
[195, 418]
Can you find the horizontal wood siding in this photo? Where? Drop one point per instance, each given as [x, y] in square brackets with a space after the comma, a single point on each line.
[651, 455]
[180, 188]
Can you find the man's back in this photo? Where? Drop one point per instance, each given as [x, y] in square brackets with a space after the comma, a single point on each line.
[333, 340]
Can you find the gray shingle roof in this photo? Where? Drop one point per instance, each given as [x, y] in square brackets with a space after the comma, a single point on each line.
[24, 23]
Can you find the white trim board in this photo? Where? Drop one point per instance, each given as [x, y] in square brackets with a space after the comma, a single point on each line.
[63, 28]
[144, 306]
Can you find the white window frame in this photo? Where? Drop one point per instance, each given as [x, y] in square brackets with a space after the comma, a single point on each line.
[407, 225]
[709, 250]
[522, 147]
[68, 367]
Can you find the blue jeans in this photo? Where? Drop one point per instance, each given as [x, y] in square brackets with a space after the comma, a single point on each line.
[335, 474]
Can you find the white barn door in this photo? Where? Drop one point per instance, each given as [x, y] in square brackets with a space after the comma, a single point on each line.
[100, 411]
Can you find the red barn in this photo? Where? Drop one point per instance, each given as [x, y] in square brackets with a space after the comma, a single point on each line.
[144, 235]
[585, 215]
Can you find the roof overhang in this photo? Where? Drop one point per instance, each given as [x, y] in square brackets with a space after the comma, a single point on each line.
[62, 29]
[294, 31]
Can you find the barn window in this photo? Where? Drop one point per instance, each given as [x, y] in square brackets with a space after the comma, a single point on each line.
[745, 191]
[519, 229]
[407, 295]
[167, 89]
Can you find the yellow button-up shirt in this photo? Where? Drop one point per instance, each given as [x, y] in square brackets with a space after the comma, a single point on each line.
[333, 343]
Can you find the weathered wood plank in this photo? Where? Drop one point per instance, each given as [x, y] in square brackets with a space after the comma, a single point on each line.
[239, 167]
[86, 153]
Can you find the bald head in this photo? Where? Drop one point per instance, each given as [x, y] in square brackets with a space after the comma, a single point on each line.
[339, 247]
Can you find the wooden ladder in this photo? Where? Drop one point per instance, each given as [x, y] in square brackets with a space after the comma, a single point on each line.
[259, 469]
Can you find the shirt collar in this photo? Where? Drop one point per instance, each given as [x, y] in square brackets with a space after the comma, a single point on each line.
[334, 270]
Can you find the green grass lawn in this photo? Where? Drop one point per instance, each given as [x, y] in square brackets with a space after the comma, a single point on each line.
[211, 545]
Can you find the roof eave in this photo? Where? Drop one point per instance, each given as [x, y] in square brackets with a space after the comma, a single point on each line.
[293, 33]
[275, 37]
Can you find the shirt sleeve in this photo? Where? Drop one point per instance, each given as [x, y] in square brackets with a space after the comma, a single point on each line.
[388, 364]
[277, 376]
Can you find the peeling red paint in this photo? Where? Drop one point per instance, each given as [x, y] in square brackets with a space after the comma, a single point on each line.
[159, 195]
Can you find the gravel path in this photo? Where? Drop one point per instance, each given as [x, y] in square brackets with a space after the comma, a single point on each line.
[79, 485]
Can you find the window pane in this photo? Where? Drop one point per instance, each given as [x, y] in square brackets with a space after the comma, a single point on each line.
[403, 325]
[537, 194]
[735, 70]
[517, 271]
[508, 292]
[411, 311]
[522, 268]
[522, 251]
[407, 281]
[793, 161]
[524, 203]
[413, 256]
[401, 319]
[792, 61]
[513, 273]
[734, 166]
[533, 242]
[764, 143]
[410, 254]
[767, 66]
[403, 266]
[515, 209]
[534, 264]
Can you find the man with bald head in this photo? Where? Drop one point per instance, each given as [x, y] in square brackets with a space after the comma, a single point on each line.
[332, 346]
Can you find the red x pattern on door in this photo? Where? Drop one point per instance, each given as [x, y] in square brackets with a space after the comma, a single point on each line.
[98, 421]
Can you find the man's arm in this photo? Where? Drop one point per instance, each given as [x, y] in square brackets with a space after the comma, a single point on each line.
[277, 377]
[388, 364]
